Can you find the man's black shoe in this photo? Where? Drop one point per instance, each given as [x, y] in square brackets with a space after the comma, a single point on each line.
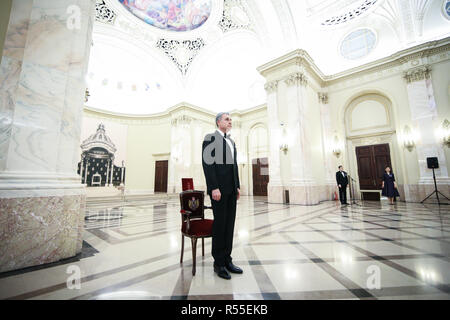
[233, 269]
[222, 272]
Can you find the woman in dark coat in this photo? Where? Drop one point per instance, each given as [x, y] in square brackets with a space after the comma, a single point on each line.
[389, 185]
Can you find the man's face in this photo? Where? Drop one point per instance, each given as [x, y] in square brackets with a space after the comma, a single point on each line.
[341, 169]
[224, 123]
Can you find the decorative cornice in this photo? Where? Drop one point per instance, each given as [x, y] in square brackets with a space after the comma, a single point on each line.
[165, 117]
[297, 78]
[417, 74]
[301, 58]
[182, 120]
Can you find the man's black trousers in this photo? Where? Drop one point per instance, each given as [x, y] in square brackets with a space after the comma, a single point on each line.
[343, 194]
[223, 228]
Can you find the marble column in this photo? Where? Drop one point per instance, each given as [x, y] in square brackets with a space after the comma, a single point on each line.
[42, 87]
[275, 187]
[425, 120]
[86, 171]
[301, 184]
[111, 173]
[107, 174]
[327, 142]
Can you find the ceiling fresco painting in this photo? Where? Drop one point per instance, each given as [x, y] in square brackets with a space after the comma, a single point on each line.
[173, 15]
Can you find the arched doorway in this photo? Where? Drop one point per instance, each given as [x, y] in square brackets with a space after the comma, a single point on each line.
[258, 159]
[371, 142]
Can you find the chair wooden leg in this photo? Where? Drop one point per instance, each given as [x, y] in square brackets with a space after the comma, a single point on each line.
[194, 254]
[182, 248]
[203, 246]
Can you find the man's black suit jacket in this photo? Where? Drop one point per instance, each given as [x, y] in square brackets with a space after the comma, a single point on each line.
[340, 180]
[219, 173]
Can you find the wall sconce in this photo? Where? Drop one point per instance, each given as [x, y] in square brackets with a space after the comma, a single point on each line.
[446, 132]
[336, 148]
[408, 139]
[87, 94]
[284, 148]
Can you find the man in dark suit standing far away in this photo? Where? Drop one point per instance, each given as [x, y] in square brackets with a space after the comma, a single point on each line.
[342, 182]
[222, 180]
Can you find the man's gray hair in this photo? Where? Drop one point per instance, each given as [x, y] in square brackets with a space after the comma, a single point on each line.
[219, 116]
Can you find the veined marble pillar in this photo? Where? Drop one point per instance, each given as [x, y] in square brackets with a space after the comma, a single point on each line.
[275, 187]
[424, 118]
[42, 201]
[180, 155]
[301, 190]
[327, 140]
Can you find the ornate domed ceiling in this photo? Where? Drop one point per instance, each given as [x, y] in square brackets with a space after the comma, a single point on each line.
[149, 55]
[175, 15]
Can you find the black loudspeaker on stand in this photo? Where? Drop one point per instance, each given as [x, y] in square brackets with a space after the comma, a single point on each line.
[433, 163]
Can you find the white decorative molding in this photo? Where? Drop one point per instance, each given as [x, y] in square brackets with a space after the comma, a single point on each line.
[419, 8]
[297, 78]
[235, 16]
[417, 74]
[181, 120]
[182, 53]
[390, 12]
[103, 13]
[350, 15]
[271, 86]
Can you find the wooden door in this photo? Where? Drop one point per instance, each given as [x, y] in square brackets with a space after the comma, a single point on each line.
[161, 169]
[260, 176]
[372, 160]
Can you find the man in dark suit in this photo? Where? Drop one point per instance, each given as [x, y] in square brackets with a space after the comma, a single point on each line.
[222, 180]
[342, 182]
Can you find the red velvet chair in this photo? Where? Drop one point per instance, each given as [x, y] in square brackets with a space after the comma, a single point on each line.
[193, 222]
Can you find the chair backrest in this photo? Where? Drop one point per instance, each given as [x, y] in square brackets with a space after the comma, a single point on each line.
[193, 201]
[187, 184]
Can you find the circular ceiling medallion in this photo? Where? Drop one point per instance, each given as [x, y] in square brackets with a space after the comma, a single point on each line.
[173, 15]
[446, 9]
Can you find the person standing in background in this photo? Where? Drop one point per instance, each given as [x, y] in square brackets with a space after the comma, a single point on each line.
[389, 186]
[342, 182]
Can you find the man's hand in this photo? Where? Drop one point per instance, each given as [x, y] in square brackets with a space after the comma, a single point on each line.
[238, 194]
[340, 186]
[216, 195]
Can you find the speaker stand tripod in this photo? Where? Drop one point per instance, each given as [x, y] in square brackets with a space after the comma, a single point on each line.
[437, 192]
[352, 192]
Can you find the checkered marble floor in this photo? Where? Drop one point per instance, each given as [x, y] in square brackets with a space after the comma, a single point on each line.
[365, 251]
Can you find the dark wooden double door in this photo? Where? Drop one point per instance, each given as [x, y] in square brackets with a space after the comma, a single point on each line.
[161, 169]
[372, 160]
[260, 176]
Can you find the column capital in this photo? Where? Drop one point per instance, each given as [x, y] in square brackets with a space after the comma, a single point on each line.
[323, 97]
[271, 86]
[296, 79]
[180, 120]
[417, 74]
